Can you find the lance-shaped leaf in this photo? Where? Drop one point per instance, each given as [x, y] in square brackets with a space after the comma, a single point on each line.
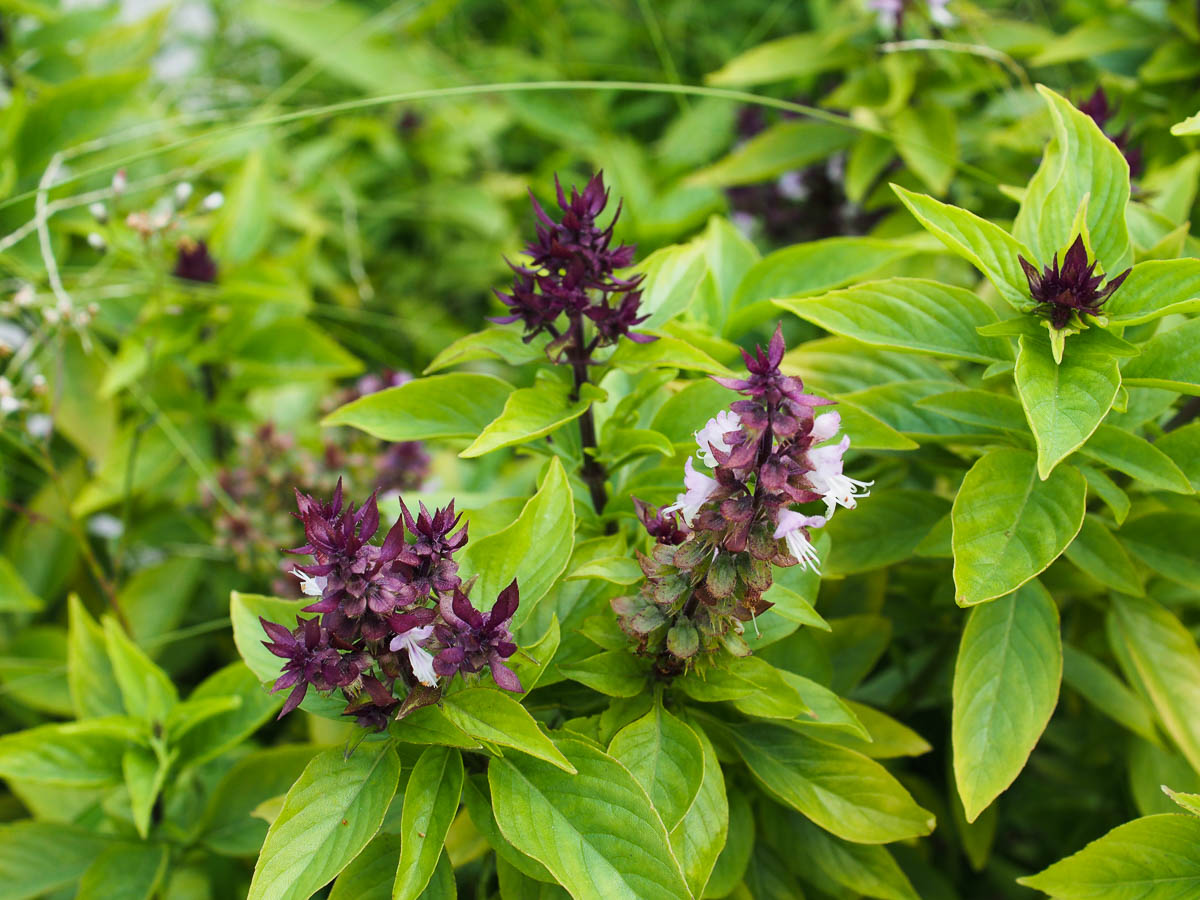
[912, 314]
[1155, 858]
[1079, 162]
[662, 753]
[1169, 360]
[494, 716]
[72, 754]
[1138, 458]
[988, 247]
[1156, 288]
[1064, 402]
[430, 804]
[328, 816]
[1006, 684]
[700, 836]
[1009, 525]
[865, 869]
[531, 413]
[596, 831]
[441, 406]
[1101, 556]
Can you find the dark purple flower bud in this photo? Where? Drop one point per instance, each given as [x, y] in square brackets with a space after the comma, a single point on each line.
[472, 640]
[375, 706]
[194, 262]
[310, 659]
[1071, 289]
[665, 528]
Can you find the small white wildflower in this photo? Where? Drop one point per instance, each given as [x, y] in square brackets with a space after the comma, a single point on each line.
[213, 201]
[712, 436]
[119, 182]
[96, 241]
[25, 296]
[104, 525]
[12, 336]
[183, 192]
[9, 405]
[419, 658]
[939, 13]
[788, 526]
[699, 488]
[311, 585]
[99, 212]
[39, 425]
[50, 314]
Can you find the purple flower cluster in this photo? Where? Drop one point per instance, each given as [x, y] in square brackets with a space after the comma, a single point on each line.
[1071, 291]
[1098, 109]
[768, 453]
[394, 618]
[572, 271]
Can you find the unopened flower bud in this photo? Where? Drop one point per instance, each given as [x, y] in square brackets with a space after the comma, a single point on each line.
[213, 201]
[99, 212]
[96, 241]
[119, 182]
[183, 192]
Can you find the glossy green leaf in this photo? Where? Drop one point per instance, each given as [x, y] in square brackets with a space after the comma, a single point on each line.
[531, 413]
[1064, 402]
[125, 872]
[889, 738]
[504, 342]
[1159, 657]
[15, 595]
[1189, 802]
[1170, 360]
[865, 869]
[988, 247]
[1107, 692]
[885, 529]
[535, 549]
[661, 753]
[1156, 288]
[699, 837]
[201, 740]
[494, 716]
[1080, 162]
[1138, 458]
[596, 831]
[665, 352]
[909, 314]
[147, 690]
[430, 804]
[1154, 858]
[73, 754]
[1006, 682]
[1183, 446]
[331, 812]
[1101, 556]
[617, 673]
[842, 791]
[370, 874]
[459, 405]
[477, 796]
[1166, 542]
[94, 687]
[983, 408]
[1009, 525]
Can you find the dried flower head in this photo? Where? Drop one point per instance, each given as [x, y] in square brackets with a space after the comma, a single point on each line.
[1070, 291]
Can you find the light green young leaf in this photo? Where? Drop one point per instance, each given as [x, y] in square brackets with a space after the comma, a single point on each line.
[1190, 802]
[1136, 457]
[1106, 489]
[865, 869]
[145, 774]
[842, 791]
[531, 413]
[1101, 556]
[430, 804]
[927, 140]
[1156, 288]
[15, 595]
[94, 688]
[665, 352]
[672, 275]
[661, 752]
[535, 549]
[781, 148]
[1190, 125]
[988, 247]
[497, 342]
[331, 812]
[908, 314]
[1006, 682]
[493, 716]
[807, 53]
[441, 406]
[1159, 656]
[1064, 402]
[1080, 161]
[1107, 692]
[72, 754]
[1154, 858]
[1008, 525]
[147, 690]
[244, 222]
[596, 831]
[889, 738]
[1170, 359]
[223, 710]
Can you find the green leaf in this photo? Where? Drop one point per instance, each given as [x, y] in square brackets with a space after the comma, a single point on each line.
[807, 53]
[984, 408]
[868, 432]
[1170, 359]
[15, 595]
[672, 275]
[617, 673]
[94, 688]
[492, 715]
[927, 140]
[1101, 556]
[699, 837]
[430, 725]
[1106, 489]
[125, 872]
[889, 738]
[370, 874]
[459, 405]
[896, 404]
[533, 660]
[145, 774]
[613, 569]
[1080, 162]
[478, 798]
[865, 869]
[1159, 656]
[1136, 457]
[884, 529]
[842, 791]
[1156, 288]
[497, 342]
[226, 825]
[1009, 525]
[290, 350]
[535, 549]
[665, 352]
[1155, 858]
[661, 752]
[37, 858]
[1183, 446]
[782, 147]
[430, 804]
[73, 754]
[1064, 402]
[1006, 682]
[147, 690]
[988, 247]
[531, 413]
[1190, 125]
[1166, 542]
[328, 816]
[909, 314]
[1190, 802]
[244, 223]
[595, 831]
[199, 740]
[1107, 692]
[734, 859]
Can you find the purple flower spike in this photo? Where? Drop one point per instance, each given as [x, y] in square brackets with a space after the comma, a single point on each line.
[1070, 290]
[473, 641]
